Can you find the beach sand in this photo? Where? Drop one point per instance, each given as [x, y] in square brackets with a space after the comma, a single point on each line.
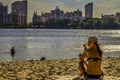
[54, 69]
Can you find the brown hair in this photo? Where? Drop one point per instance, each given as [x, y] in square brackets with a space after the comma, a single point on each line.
[98, 48]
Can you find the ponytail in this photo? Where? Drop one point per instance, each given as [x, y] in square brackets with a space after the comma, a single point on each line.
[98, 49]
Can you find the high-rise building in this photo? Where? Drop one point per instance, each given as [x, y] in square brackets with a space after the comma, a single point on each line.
[19, 12]
[3, 13]
[89, 10]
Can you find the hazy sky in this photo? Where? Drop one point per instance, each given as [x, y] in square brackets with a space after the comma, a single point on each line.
[100, 6]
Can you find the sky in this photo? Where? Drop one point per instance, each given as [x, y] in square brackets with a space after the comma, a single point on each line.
[100, 6]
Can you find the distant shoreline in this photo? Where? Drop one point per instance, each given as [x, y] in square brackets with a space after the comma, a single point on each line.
[55, 28]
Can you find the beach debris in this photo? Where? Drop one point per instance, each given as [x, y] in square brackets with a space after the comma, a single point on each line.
[43, 58]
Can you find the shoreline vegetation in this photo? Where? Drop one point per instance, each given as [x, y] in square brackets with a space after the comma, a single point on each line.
[94, 23]
[66, 69]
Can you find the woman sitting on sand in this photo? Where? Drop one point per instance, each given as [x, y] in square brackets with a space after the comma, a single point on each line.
[93, 53]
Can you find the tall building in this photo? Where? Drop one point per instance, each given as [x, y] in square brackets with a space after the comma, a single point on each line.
[3, 13]
[9, 18]
[89, 10]
[19, 12]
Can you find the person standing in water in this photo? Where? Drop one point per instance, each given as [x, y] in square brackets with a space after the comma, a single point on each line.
[12, 52]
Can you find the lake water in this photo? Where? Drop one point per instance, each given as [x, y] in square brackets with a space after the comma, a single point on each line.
[54, 43]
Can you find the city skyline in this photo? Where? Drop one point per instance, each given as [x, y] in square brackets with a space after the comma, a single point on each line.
[101, 6]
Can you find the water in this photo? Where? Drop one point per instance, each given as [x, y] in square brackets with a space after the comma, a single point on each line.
[54, 43]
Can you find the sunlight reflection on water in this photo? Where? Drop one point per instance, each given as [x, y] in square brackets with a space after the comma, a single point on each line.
[54, 44]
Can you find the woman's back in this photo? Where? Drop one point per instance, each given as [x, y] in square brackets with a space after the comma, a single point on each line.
[94, 62]
[93, 54]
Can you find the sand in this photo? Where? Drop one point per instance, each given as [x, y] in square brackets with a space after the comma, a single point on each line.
[53, 69]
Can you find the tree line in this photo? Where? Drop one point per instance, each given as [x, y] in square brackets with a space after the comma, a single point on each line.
[94, 23]
[89, 23]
